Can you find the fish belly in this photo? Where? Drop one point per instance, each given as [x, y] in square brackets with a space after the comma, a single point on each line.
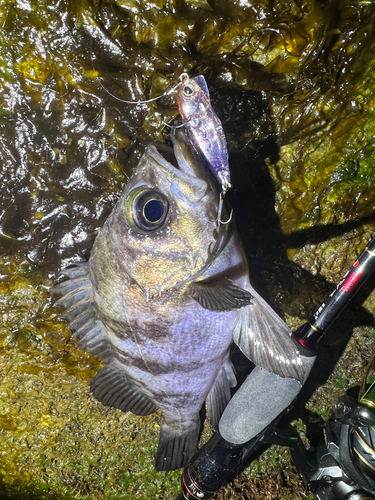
[177, 362]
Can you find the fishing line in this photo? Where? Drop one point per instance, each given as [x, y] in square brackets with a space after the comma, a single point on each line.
[173, 127]
[135, 103]
[182, 77]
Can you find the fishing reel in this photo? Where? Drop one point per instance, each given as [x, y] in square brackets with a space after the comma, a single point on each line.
[342, 465]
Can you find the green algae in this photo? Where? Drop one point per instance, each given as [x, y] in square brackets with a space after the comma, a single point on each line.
[335, 167]
[301, 73]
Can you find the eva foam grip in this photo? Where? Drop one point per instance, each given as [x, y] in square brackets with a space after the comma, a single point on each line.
[258, 402]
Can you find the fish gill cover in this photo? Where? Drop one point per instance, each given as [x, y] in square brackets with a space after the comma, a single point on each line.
[295, 86]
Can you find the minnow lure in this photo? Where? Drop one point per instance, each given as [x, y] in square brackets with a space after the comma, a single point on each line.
[204, 129]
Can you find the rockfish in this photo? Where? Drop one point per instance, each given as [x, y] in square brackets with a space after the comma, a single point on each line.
[164, 294]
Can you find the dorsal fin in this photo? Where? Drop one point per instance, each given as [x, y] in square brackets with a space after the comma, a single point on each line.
[77, 299]
[200, 80]
[112, 387]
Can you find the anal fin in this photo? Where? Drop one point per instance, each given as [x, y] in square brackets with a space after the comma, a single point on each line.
[112, 387]
[219, 395]
[176, 448]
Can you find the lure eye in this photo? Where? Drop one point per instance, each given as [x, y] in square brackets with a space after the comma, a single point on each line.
[150, 209]
[188, 90]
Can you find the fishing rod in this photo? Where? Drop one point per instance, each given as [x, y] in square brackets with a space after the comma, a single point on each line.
[251, 417]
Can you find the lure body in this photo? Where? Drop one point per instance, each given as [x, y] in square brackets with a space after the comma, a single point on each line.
[204, 127]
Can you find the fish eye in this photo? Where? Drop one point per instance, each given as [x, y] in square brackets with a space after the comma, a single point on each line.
[188, 90]
[150, 209]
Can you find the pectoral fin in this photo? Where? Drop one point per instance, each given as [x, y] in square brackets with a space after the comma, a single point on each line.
[266, 340]
[220, 295]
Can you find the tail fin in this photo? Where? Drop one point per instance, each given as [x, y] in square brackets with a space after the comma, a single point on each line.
[175, 449]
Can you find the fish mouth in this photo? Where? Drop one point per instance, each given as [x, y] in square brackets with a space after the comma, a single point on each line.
[185, 185]
[189, 178]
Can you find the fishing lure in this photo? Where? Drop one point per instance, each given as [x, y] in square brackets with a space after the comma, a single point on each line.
[205, 130]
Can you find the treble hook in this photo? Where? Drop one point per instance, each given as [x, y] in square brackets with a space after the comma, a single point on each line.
[221, 203]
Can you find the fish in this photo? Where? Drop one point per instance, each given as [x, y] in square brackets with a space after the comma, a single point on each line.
[165, 293]
[204, 127]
